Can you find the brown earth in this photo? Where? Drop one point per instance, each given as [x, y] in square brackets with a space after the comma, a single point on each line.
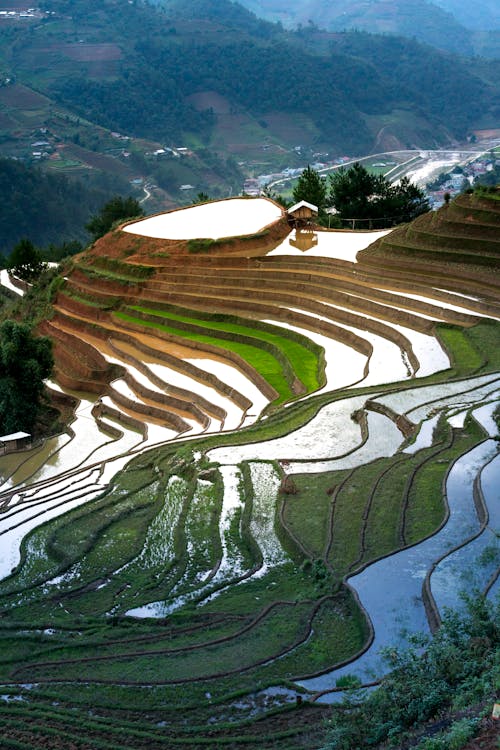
[21, 97]
[145, 250]
[93, 159]
[90, 52]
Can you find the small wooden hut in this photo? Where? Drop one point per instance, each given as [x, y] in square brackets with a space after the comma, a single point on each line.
[302, 213]
[14, 442]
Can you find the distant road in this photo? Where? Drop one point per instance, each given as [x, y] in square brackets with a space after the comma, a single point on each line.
[148, 195]
[423, 162]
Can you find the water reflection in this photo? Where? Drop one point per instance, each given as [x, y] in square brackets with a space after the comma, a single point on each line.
[304, 239]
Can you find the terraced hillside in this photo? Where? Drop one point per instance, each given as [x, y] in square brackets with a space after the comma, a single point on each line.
[281, 462]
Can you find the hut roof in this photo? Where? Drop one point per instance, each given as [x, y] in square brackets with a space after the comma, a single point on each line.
[302, 204]
[14, 436]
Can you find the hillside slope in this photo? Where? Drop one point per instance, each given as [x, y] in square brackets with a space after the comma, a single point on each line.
[423, 20]
[194, 565]
[219, 81]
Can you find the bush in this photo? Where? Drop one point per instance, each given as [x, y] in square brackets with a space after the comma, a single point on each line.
[430, 677]
[454, 739]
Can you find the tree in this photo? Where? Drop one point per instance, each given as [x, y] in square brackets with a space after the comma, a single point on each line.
[457, 667]
[117, 209]
[25, 362]
[276, 197]
[25, 261]
[357, 194]
[352, 191]
[312, 188]
[202, 197]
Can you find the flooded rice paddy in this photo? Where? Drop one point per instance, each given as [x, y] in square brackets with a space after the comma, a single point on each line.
[390, 590]
[342, 245]
[229, 218]
[72, 469]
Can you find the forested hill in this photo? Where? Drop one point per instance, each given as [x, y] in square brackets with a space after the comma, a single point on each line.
[482, 14]
[423, 20]
[446, 24]
[154, 71]
[46, 208]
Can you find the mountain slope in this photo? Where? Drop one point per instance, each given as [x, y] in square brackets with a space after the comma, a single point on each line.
[419, 19]
[482, 15]
[45, 207]
[445, 24]
[155, 72]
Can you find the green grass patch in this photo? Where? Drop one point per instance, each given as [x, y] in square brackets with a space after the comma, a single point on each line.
[465, 356]
[307, 514]
[260, 360]
[303, 361]
[426, 506]
[202, 245]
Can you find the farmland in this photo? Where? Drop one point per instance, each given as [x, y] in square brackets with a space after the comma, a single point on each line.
[201, 558]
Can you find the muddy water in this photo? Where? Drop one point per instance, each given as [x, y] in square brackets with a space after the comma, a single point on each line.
[15, 469]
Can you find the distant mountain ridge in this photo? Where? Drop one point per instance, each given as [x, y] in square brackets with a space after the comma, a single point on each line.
[481, 15]
[445, 24]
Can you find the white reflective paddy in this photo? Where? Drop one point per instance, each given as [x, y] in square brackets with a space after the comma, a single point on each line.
[237, 380]
[331, 432]
[340, 244]
[227, 218]
[6, 282]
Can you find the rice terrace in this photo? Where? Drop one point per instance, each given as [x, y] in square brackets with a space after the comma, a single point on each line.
[283, 458]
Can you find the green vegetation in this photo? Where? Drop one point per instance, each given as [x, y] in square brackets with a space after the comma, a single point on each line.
[114, 211]
[312, 188]
[453, 673]
[25, 362]
[25, 261]
[360, 197]
[44, 207]
[357, 194]
[260, 360]
[304, 357]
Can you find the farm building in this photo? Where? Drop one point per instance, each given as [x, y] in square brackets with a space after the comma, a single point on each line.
[302, 213]
[14, 442]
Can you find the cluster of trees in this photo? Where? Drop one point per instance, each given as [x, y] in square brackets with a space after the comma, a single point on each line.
[359, 198]
[47, 207]
[26, 261]
[25, 362]
[115, 210]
